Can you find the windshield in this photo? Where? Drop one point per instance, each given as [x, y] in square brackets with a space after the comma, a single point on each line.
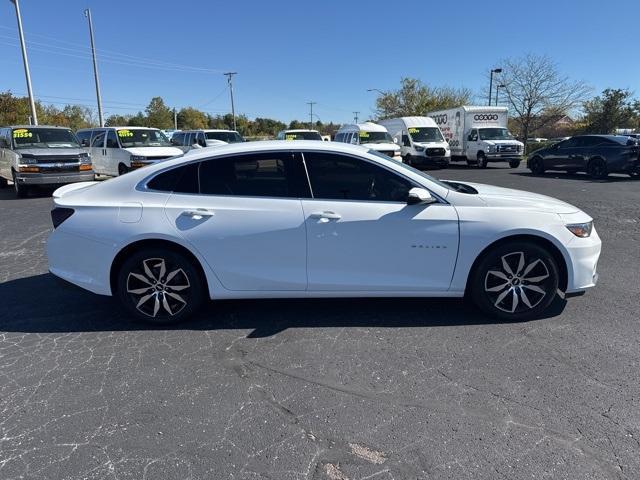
[229, 137]
[375, 137]
[44, 138]
[426, 134]
[302, 136]
[142, 138]
[495, 134]
[414, 170]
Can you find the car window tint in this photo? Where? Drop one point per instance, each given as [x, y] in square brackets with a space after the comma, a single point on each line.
[112, 139]
[180, 180]
[339, 177]
[255, 175]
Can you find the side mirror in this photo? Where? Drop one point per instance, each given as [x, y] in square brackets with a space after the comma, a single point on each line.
[85, 142]
[419, 196]
[395, 140]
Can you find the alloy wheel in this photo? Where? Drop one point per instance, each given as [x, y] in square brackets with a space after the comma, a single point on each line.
[518, 284]
[158, 288]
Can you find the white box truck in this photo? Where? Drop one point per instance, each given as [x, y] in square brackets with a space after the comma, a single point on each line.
[421, 141]
[479, 135]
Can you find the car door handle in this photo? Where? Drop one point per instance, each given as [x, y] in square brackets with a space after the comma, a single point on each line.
[326, 216]
[199, 213]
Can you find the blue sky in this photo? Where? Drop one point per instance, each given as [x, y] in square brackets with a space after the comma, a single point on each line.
[288, 53]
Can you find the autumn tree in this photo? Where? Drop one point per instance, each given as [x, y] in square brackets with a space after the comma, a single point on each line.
[190, 118]
[416, 98]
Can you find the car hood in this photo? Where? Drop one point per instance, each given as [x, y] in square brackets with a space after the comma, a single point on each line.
[508, 197]
[504, 142]
[50, 152]
[155, 151]
[382, 147]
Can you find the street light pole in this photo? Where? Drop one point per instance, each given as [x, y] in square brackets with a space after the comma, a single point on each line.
[498, 87]
[355, 117]
[493, 70]
[233, 108]
[87, 13]
[375, 90]
[311, 104]
[32, 104]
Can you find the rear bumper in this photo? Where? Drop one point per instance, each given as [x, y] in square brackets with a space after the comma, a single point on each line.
[54, 178]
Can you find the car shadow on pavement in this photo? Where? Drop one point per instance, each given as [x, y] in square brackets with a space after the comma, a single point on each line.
[44, 304]
[620, 177]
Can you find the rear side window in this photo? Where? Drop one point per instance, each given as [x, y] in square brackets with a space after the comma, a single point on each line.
[84, 137]
[182, 179]
[278, 174]
[340, 177]
[98, 140]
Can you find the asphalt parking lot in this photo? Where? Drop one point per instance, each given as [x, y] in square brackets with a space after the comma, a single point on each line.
[338, 389]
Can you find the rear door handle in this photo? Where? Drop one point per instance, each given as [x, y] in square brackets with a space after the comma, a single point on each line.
[326, 215]
[199, 213]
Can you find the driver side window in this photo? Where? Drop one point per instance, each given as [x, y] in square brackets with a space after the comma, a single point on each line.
[473, 136]
[339, 177]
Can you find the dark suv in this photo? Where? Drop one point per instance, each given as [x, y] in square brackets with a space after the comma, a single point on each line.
[598, 155]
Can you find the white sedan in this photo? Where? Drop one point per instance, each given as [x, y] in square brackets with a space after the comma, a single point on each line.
[314, 219]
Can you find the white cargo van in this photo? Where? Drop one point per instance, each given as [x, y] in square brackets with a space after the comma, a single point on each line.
[371, 136]
[421, 141]
[116, 150]
[479, 135]
[299, 134]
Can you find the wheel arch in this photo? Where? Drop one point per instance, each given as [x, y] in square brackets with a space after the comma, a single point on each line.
[557, 254]
[138, 245]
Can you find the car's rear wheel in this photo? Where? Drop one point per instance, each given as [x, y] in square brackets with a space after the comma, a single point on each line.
[21, 189]
[159, 286]
[597, 169]
[515, 281]
[482, 160]
[536, 166]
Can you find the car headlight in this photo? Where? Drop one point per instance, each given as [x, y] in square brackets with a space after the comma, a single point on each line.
[419, 149]
[85, 158]
[137, 158]
[582, 230]
[24, 160]
[492, 148]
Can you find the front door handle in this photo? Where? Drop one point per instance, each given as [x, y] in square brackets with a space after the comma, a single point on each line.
[326, 216]
[199, 213]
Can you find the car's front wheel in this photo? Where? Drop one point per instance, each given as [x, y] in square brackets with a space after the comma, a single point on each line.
[159, 286]
[482, 160]
[515, 281]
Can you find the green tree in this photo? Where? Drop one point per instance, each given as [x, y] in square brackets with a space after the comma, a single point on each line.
[117, 120]
[615, 108]
[158, 114]
[191, 118]
[415, 98]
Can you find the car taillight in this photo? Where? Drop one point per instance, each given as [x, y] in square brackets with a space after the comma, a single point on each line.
[59, 215]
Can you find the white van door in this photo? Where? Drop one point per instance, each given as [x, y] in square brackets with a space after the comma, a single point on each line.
[112, 153]
[97, 152]
[472, 141]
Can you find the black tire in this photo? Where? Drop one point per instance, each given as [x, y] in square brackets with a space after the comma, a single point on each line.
[482, 160]
[179, 271]
[21, 189]
[536, 166]
[597, 169]
[122, 169]
[514, 163]
[498, 290]
[635, 175]
[3, 182]
[408, 159]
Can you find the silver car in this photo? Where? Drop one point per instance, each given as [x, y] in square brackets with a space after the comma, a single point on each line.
[41, 155]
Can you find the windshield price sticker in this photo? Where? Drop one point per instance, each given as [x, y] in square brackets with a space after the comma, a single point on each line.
[290, 137]
[22, 133]
[364, 134]
[125, 133]
[413, 130]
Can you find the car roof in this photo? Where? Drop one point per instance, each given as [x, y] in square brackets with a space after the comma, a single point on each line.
[116, 127]
[37, 126]
[365, 126]
[299, 130]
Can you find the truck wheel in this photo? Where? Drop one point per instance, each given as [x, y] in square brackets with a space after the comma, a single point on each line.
[122, 169]
[21, 190]
[408, 160]
[514, 163]
[482, 160]
[3, 182]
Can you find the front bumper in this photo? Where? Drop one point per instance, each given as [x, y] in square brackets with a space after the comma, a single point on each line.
[583, 265]
[503, 157]
[429, 161]
[54, 178]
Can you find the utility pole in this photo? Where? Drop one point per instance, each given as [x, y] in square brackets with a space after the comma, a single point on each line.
[175, 119]
[355, 117]
[87, 13]
[32, 104]
[233, 109]
[311, 104]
